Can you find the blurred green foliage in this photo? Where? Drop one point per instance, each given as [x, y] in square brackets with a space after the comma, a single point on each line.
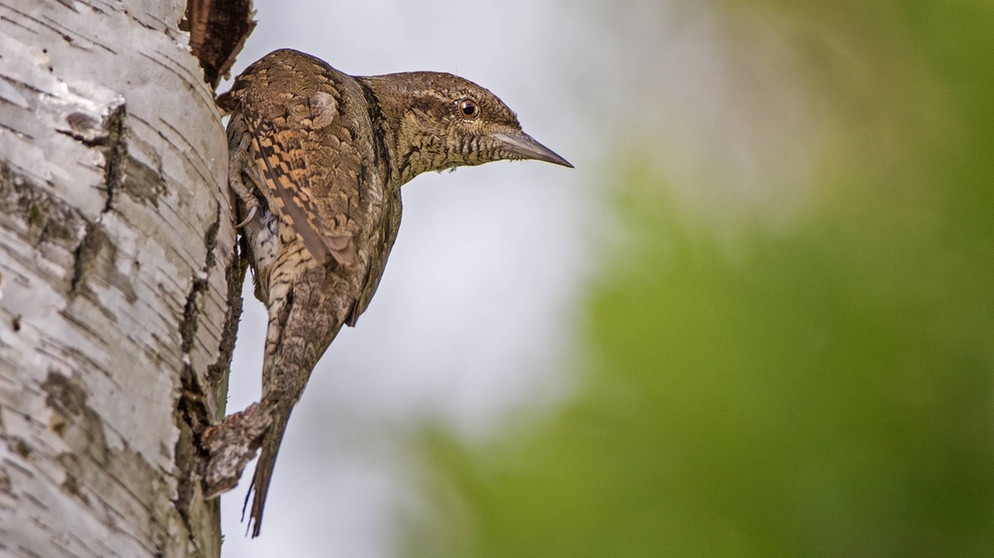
[828, 389]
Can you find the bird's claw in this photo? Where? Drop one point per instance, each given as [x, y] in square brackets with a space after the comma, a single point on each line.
[251, 214]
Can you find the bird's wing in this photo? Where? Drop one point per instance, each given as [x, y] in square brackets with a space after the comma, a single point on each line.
[381, 241]
[310, 130]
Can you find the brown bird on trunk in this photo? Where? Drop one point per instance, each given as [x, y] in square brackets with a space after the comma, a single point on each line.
[317, 159]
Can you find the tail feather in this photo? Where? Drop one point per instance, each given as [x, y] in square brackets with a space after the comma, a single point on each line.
[264, 469]
[303, 321]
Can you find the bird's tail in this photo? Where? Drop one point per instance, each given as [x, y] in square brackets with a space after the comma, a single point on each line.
[264, 467]
[301, 327]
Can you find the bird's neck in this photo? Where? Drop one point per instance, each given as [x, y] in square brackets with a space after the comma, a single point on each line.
[384, 135]
[408, 150]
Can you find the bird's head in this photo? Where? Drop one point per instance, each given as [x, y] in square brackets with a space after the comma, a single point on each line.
[443, 121]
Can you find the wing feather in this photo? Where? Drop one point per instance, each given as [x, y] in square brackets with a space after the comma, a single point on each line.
[308, 138]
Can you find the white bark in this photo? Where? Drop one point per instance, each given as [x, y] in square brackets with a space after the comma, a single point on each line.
[116, 248]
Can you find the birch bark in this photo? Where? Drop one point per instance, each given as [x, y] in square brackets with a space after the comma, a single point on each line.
[118, 289]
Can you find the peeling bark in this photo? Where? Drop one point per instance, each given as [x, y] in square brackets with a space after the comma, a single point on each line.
[119, 287]
[218, 29]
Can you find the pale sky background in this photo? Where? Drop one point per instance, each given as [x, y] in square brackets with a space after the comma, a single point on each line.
[477, 319]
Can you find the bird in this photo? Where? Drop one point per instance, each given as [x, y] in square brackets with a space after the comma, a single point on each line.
[317, 158]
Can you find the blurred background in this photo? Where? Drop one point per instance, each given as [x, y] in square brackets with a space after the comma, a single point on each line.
[756, 320]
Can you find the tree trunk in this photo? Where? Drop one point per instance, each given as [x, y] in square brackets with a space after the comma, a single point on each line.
[119, 289]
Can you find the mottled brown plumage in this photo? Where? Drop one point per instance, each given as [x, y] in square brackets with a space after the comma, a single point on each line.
[317, 161]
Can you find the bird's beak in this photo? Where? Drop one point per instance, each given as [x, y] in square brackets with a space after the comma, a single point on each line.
[522, 145]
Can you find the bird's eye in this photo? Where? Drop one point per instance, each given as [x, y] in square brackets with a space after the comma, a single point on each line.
[469, 108]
